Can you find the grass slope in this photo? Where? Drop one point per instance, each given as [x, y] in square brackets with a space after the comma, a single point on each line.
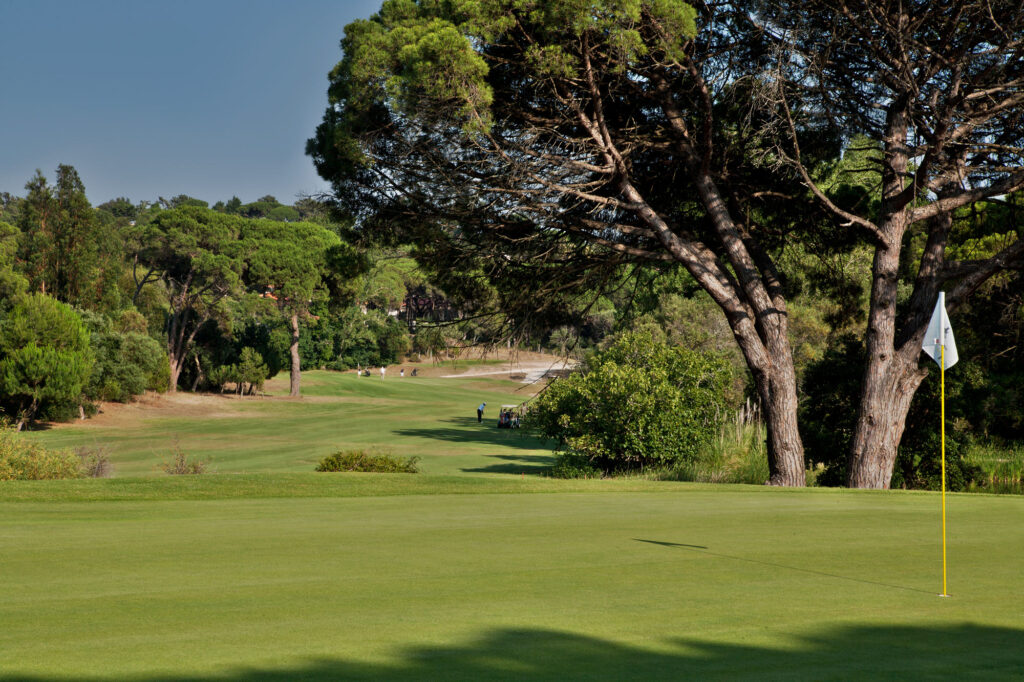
[384, 577]
[432, 418]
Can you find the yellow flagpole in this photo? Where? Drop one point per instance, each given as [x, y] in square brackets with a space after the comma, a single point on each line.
[942, 384]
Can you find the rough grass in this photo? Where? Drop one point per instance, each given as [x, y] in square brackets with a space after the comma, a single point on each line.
[364, 576]
[1002, 467]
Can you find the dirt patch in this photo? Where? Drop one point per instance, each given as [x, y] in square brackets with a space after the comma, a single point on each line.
[164, 405]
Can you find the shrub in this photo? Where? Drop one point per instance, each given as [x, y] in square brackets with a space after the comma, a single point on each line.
[24, 460]
[94, 462]
[360, 460]
[570, 465]
[180, 464]
[127, 364]
[639, 404]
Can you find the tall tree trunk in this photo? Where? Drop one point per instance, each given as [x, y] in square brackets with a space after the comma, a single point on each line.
[890, 377]
[777, 390]
[175, 364]
[199, 374]
[771, 365]
[296, 369]
[889, 388]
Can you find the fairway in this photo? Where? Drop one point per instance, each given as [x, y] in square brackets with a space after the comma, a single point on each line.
[266, 570]
[433, 418]
[505, 579]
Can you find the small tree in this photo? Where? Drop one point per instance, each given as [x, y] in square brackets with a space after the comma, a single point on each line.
[638, 403]
[44, 355]
[251, 370]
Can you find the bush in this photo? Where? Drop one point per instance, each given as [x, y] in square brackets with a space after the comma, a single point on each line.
[571, 465]
[180, 464]
[127, 362]
[636, 405]
[360, 460]
[94, 462]
[24, 460]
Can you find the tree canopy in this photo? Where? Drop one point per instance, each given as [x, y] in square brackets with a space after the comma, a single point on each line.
[554, 144]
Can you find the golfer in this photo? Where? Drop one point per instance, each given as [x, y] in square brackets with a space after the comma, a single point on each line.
[480, 412]
[382, 371]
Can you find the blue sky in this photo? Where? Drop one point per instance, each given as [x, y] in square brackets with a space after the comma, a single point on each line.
[145, 98]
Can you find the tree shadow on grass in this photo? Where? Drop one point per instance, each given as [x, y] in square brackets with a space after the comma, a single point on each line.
[467, 430]
[868, 652]
[515, 464]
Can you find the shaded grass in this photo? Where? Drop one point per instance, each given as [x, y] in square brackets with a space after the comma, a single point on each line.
[705, 581]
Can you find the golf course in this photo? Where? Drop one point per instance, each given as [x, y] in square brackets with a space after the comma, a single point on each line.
[479, 567]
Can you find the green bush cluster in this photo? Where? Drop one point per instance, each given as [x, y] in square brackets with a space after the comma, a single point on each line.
[360, 460]
[638, 404]
[127, 362]
[24, 460]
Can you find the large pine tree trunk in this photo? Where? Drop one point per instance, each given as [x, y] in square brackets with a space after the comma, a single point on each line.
[890, 378]
[777, 390]
[889, 387]
[771, 365]
[296, 368]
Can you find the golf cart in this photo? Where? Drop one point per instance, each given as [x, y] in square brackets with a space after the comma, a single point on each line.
[508, 417]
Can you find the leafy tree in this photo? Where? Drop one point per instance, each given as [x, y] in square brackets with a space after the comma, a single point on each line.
[198, 257]
[44, 355]
[353, 338]
[936, 86]
[557, 144]
[297, 264]
[65, 250]
[637, 404]
[121, 207]
[284, 214]
[12, 283]
[183, 200]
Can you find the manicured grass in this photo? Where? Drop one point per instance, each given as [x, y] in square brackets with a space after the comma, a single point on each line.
[432, 418]
[349, 576]
[267, 570]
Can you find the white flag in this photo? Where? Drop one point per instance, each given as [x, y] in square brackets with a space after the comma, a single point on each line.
[939, 334]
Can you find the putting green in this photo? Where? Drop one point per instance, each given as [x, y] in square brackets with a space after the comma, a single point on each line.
[257, 577]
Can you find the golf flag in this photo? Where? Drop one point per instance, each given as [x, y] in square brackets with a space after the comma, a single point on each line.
[940, 334]
[940, 345]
